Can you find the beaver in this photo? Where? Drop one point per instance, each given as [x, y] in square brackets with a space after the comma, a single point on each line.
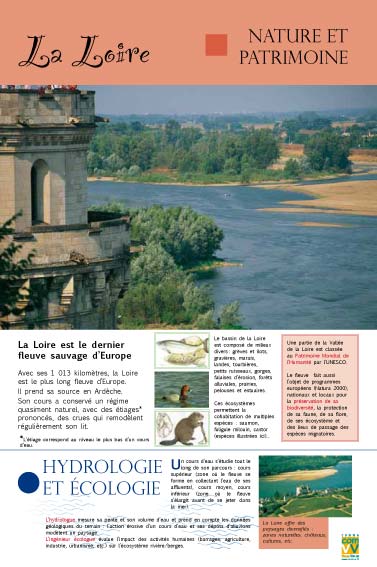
[184, 430]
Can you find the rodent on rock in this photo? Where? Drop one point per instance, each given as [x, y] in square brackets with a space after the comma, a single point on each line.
[184, 430]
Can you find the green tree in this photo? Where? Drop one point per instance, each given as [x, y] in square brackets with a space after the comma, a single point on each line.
[260, 147]
[197, 300]
[152, 265]
[94, 162]
[328, 150]
[185, 234]
[114, 162]
[212, 163]
[141, 152]
[172, 130]
[188, 137]
[231, 166]
[134, 171]
[186, 161]
[205, 320]
[12, 269]
[245, 175]
[292, 168]
[137, 126]
[230, 317]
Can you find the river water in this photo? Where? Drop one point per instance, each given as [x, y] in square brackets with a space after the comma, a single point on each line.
[171, 382]
[292, 277]
[341, 479]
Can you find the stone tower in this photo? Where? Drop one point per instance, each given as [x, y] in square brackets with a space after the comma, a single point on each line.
[80, 267]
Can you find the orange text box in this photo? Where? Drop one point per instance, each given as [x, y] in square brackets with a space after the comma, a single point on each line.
[293, 533]
[174, 34]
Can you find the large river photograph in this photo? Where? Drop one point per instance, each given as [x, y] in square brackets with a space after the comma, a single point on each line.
[318, 486]
[249, 207]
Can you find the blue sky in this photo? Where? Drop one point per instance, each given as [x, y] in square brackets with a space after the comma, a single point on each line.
[230, 99]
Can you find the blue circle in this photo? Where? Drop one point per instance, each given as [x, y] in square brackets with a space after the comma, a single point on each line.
[28, 482]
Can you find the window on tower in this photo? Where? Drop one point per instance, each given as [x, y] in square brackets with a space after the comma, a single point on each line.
[40, 193]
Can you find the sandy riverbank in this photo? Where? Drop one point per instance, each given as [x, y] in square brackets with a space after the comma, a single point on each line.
[345, 197]
[324, 224]
[301, 475]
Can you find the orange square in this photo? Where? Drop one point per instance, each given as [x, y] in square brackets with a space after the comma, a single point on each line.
[216, 44]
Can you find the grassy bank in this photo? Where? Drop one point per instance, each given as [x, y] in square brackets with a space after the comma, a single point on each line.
[173, 177]
[212, 264]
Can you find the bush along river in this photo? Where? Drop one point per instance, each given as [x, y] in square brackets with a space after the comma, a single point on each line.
[291, 276]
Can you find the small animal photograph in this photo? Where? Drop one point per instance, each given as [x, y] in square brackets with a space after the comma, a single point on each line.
[179, 428]
[182, 350]
[181, 389]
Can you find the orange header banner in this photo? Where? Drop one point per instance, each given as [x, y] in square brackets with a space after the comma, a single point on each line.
[202, 42]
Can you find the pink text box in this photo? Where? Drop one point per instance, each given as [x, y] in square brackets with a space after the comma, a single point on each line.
[320, 388]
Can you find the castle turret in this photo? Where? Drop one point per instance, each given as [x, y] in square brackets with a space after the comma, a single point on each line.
[80, 265]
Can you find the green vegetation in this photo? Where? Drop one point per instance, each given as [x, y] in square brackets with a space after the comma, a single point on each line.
[337, 503]
[360, 131]
[334, 513]
[183, 233]
[162, 292]
[319, 504]
[296, 129]
[276, 465]
[303, 505]
[363, 132]
[347, 494]
[293, 168]
[129, 151]
[328, 151]
[225, 149]
[14, 297]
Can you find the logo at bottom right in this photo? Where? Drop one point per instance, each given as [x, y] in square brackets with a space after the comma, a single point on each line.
[350, 546]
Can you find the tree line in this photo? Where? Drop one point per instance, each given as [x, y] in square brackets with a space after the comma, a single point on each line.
[119, 147]
[132, 150]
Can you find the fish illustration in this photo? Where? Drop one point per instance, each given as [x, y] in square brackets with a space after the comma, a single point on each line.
[197, 357]
[186, 345]
[189, 350]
